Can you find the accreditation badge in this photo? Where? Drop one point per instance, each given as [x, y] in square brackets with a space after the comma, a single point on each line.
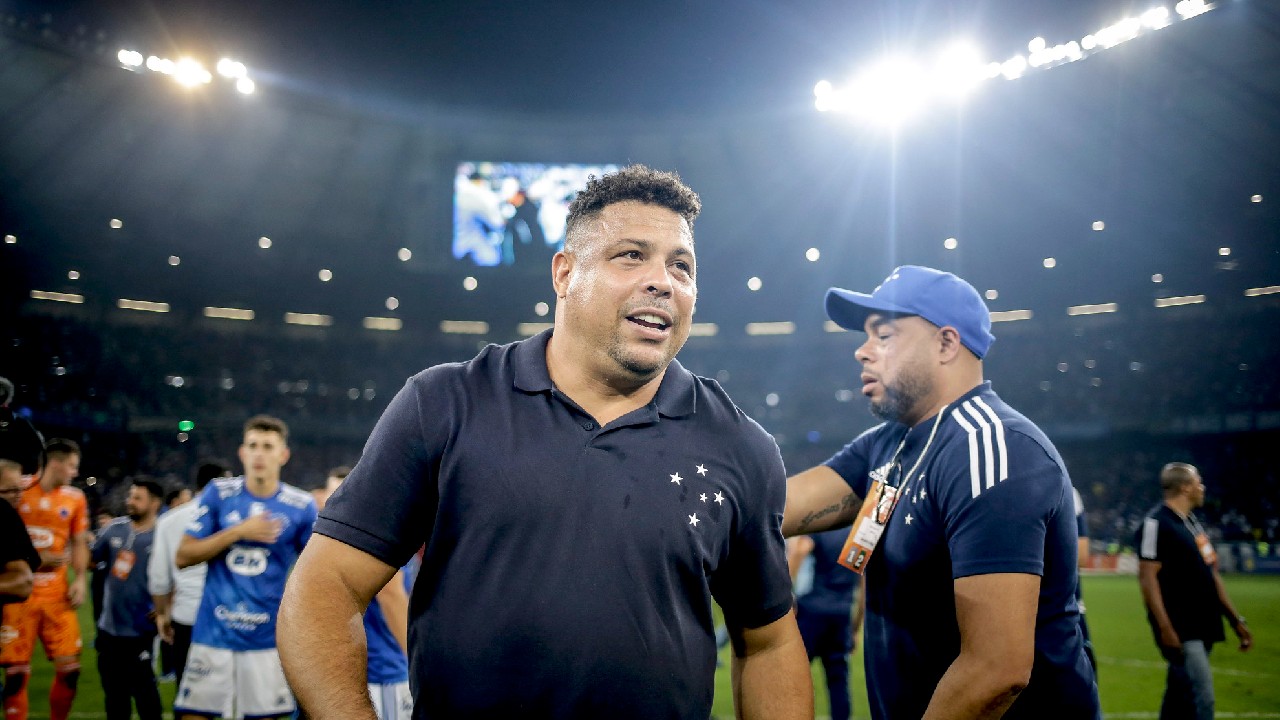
[868, 526]
[1206, 548]
[123, 564]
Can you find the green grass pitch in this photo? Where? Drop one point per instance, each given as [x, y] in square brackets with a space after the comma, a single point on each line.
[1131, 673]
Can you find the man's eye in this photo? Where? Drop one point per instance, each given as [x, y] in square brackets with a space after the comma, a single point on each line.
[631, 254]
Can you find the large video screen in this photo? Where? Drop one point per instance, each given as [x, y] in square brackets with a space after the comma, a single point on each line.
[514, 213]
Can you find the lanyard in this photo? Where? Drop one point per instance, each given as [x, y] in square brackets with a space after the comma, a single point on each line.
[896, 463]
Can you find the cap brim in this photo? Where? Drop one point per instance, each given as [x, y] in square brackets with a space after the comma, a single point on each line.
[850, 309]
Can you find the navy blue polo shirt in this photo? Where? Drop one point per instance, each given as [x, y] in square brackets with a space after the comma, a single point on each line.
[1186, 581]
[991, 495]
[126, 601]
[569, 569]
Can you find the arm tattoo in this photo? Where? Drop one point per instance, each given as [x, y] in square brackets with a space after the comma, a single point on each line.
[848, 501]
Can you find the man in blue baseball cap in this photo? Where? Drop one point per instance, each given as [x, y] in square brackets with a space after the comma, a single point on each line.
[961, 516]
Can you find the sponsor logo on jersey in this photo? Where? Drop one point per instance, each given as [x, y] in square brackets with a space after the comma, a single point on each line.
[240, 617]
[40, 537]
[116, 543]
[197, 668]
[8, 634]
[882, 472]
[247, 561]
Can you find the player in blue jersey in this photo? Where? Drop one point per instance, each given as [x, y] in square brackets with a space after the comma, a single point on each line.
[250, 530]
[967, 535]
[386, 630]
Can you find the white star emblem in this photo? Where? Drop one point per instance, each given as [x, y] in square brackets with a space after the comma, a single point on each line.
[924, 493]
[702, 469]
[693, 519]
[908, 518]
[719, 499]
[676, 478]
[703, 497]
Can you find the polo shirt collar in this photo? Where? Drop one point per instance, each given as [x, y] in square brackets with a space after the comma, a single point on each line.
[676, 395]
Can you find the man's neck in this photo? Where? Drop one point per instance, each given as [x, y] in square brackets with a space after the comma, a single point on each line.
[605, 401]
[942, 400]
[1179, 505]
[144, 524]
[48, 484]
[262, 487]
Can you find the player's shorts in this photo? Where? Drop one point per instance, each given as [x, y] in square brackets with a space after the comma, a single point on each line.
[226, 683]
[53, 621]
[392, 701]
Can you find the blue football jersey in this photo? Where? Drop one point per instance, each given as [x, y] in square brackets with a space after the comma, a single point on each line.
[387, 661]
[245, 583]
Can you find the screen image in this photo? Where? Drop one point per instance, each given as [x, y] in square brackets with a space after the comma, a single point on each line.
[514, 213]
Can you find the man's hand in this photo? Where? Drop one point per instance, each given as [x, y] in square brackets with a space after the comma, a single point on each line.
[50, 560]
[1170, 643]
[1246, 637]
[259, 528]
[76, 592]
[164, 627]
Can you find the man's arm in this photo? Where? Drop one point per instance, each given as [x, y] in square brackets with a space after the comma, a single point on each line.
[393, 600]
[818, 499]
[193, 550]
[997, 618]
[798, 548]
[78, 588]
[1154, 600]
[164, 622]
[770, 672]
[1237, 623]
[320, 628]
[16, 581]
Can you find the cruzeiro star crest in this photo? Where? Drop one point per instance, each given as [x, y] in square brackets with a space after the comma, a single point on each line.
[699, 486]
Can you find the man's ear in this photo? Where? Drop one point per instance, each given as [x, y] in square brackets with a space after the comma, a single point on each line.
[561, 269]
[949, 346]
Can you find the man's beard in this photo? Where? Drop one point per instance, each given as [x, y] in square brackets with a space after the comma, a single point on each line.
[902, 396]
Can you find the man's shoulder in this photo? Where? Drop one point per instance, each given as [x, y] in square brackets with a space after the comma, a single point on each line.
[982, 418]
[295, 497]
[715, 408]
[226, 487]
[177, 516]
[70, 495]
[118, 526]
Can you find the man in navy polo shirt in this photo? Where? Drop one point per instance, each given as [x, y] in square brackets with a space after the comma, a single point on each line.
[583, 499]
[968, 534]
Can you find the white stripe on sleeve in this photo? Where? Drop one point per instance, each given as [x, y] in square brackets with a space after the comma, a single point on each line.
[988, 455]
[1150, 530]
[975, 484]
[1002, 449]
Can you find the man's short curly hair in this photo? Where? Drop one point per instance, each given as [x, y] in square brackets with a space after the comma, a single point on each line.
[637, 183]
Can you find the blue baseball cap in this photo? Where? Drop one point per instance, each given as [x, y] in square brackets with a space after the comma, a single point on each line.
[939, 297]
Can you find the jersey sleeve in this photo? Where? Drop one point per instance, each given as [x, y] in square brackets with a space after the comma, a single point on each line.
[997, 514]
[159, 581]
[79, 516]
[306, 526]
[853, 461]
[387, 505]
[753, 585]
[205, 521]
[1150, 539]
[101, 545]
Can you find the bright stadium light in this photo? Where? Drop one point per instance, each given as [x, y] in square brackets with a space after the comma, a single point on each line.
[1156, 17]
[129, 58]
[189, 73]
[1190, 8]
[229, 68]
[959, 69]
[245, 86]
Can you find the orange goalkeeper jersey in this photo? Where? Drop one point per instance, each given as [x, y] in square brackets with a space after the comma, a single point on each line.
[52, 519]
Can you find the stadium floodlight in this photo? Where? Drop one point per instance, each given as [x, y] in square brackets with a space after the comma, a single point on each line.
[1190, 8]
[703, 330]
[959, 70]
[382, 323]
[1094, 309]
[57, 297]
[245, 86]
[153, 63]
[189, 73]
[464, 327]
[1251, 292]
[1014, 67]
[308, 319]
[142, 305]
[771, 328]
[1156, 17]
[1180, 300]
[1011, 315]
[229, 68]
[129, 58]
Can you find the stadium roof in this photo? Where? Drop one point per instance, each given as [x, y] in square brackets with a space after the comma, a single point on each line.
[347, 150]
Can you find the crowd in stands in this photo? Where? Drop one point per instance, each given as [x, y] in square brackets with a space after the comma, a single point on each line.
[1119, 398]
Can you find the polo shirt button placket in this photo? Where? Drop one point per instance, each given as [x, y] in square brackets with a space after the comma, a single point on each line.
[588, 426]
